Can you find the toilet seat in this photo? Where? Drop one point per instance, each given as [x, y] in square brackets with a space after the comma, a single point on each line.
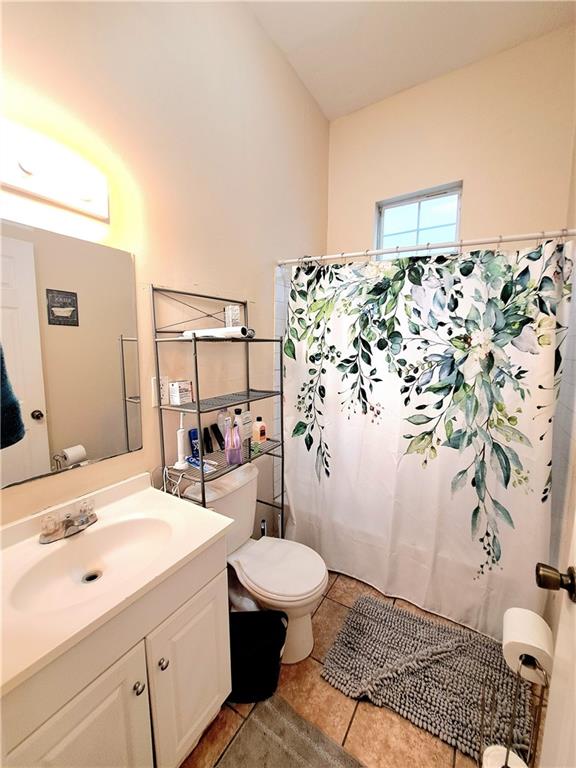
[279, 569]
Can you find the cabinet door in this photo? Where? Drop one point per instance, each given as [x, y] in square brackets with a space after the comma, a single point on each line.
[189, 671]
[105, 725]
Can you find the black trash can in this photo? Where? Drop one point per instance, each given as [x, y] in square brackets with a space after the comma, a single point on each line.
[256, 642]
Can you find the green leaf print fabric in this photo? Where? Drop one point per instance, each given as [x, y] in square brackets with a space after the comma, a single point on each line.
[420, 398]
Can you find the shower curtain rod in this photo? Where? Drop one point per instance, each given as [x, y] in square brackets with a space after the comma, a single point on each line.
[429, 246]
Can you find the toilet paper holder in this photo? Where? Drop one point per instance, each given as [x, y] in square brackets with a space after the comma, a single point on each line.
[514, 752]
[548, 577]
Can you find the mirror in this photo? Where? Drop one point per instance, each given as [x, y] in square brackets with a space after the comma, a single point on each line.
[69, 338]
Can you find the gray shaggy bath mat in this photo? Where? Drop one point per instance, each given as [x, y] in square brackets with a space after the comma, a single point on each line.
[428, 672]
[274, 736]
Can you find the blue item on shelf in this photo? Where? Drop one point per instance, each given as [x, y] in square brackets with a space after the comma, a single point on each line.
[194, 443]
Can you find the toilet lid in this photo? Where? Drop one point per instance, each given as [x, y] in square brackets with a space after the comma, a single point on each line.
[279, 568]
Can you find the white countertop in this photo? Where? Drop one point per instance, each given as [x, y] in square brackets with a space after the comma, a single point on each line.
[37, 629]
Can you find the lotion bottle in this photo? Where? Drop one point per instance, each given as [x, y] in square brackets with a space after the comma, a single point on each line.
[259, 431]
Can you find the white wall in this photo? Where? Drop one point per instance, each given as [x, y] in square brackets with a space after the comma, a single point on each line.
[504, 126]
[225, 150]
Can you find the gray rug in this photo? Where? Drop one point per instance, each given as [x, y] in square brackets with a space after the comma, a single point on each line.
[428, 672]
[274, 736]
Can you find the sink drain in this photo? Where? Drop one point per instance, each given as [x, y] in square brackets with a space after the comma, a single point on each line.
[91, 576]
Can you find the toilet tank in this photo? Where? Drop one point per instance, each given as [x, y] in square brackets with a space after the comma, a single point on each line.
[234, 496]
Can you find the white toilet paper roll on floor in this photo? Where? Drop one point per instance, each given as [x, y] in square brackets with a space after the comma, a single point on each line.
[495, 755]
[524, 632]
[74, 455]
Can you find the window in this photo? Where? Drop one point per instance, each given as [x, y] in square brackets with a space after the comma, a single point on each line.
[432, 216]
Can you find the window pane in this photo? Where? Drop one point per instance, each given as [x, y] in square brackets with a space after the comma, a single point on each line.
[406, 238]
[400, 218]
[439, 210]
[437, 234]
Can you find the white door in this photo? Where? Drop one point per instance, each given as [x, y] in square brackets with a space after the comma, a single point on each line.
[105, 726]
[21, 343]
[559, 745]
[189, 671]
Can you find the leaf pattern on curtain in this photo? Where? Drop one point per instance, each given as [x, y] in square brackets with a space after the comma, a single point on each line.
[450, 329]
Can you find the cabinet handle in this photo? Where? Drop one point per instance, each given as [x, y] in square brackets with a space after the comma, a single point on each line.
[139, 688]
[164, 663]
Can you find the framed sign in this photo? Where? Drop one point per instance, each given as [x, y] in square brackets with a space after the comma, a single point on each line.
[62, 307]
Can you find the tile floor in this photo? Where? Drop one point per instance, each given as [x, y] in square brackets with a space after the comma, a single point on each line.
[376, 736]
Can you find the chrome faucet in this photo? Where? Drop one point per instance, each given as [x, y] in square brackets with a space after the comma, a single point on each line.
[54, 529]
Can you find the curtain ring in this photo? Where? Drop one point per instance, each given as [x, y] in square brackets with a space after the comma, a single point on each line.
[564, 234]
[499, 243]
[460, 248]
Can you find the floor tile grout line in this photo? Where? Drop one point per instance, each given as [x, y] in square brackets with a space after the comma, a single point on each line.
[337, 601]
[233, 708]
[318, 606]
[331, 599]
[350, 723]
[243, 722]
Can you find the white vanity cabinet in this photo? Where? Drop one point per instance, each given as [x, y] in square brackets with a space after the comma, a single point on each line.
[189, 671]
[107, 724]
[164, 691]
[125, 670]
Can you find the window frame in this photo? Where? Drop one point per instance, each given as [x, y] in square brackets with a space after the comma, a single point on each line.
[454, 188]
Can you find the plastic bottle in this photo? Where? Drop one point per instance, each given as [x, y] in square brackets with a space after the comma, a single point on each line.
[232, 443]
[223, 414]
[259, 430]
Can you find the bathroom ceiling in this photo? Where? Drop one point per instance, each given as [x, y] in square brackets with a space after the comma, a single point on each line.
[351, 54]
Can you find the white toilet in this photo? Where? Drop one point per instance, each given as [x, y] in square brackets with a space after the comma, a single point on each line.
[279, 574]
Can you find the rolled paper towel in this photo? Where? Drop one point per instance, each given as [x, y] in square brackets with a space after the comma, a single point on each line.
[524, 632]
[495, 755]
[74, 455]
[236, 332]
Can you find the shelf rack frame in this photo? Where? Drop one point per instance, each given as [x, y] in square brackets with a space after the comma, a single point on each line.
[126, 398]
[166, 334]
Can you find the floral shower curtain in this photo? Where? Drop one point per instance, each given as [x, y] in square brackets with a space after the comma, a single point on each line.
[419, 405]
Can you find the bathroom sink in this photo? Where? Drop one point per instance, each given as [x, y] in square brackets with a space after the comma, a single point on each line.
[86, 565]
[54, 595]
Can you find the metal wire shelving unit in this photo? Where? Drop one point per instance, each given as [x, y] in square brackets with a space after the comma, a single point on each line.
[126, 398]
[217, 466]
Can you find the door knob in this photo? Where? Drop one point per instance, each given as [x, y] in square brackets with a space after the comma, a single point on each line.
[37, 415]
[139, 688]
[164, 663]
[548, 577]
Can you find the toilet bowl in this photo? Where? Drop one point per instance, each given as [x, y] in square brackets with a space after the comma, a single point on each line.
[280, 575]
[284, 576]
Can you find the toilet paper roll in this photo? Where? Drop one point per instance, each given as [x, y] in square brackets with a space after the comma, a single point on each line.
[524, 632]
[495, 755]
[236, 332]
[74, 454]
